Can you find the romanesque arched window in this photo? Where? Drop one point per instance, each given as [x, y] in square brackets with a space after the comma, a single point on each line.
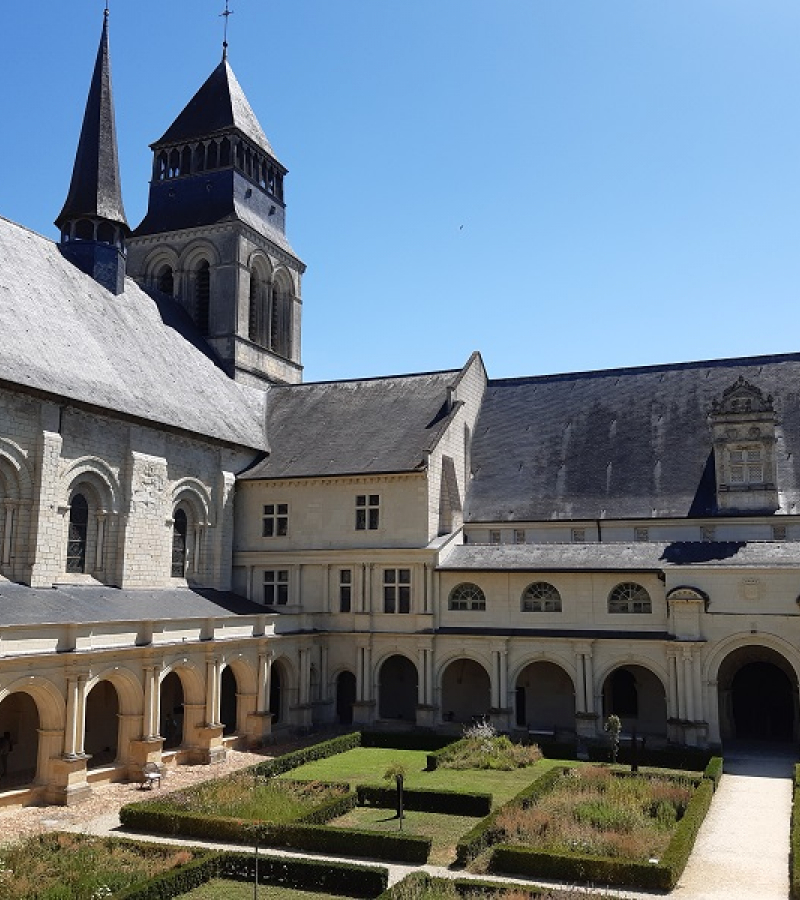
[202, 289]
[165, 280]
[259, 319]
[78, 534]
[541, 597]
[629, 597]
[180, 529]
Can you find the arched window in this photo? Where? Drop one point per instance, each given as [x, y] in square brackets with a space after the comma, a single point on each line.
[165, 280]
[259, 320]
[186, 161]
[281, 321]
[200, 157]
[180, 528]
[78, 533]
[84, 230]
[629, 597]
[202, 288]
[174, 164]
[212, 160]
[541, 597]
[467, 596]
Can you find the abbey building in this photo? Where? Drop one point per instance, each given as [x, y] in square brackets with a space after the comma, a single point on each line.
[197, 549]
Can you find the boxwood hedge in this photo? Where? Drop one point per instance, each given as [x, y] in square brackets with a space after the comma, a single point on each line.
[426, 800]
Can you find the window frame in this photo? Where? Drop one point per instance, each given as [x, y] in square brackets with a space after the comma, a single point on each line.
[277, 581]
[469, 603]
[528, 603]
[368, 512]
[345, 590]
[397, 591]
[627, 605]
[279, 514]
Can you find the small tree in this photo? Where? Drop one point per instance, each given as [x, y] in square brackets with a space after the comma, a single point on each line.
[398, 772]
[612, 727]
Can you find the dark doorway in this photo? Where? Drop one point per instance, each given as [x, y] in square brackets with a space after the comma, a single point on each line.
[227, 701]
[172, 711]
[397, 689]
[345, 697]
[102, 724]
[275, 694]
[763, 703]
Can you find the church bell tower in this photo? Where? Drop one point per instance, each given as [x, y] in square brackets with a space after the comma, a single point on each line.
[214, 236]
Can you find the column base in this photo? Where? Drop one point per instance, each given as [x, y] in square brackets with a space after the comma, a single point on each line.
[68, 785]
[363, 712]
[690, 734]
[426, 716]
[500, 718]
[259, 729]
[586, 725]
[303, 715]
[142, 752]
[211, 750]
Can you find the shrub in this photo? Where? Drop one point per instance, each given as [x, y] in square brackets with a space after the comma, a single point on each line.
[323, 750]
[713, 770]
[410, 740]
[452, 803]
[478, 751]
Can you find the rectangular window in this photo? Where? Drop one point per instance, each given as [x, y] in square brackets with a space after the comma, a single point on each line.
[276, 587]
[397, 590]
[519, 536]
[707, 533]
[578, 535]
[275, 522]
[345, 590]
[368, 507]
[779, 532]
[494, 537]
[641, 534]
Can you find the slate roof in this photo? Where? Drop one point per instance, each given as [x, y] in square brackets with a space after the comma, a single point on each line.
[95, 189]
[353, 427]
[218, 106]
[611, 557]
[65, 335]
[21, 605]
[621, 443]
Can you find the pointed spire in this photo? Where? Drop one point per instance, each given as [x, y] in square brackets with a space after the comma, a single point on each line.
[95, 191]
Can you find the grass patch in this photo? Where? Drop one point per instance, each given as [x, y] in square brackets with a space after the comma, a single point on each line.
[245, 796]
[366, 765]
[592, 811]
[224, 889]
[78, 867]
[443, 830]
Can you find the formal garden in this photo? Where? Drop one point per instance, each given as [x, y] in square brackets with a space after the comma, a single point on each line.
[482, 803]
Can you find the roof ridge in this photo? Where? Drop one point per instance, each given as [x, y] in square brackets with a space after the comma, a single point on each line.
[368, 379]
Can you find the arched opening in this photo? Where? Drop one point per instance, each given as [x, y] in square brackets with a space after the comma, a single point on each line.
[202, 289]
[545, 698]
[758, 696]
[345, 697]
[78, 534]
[84, 230]
[212, 159]
[466, 691]
[637, 696]
[228, 707]
[397, 689]
[106, 233]
[172, 711]
[102, 725]
[19, 740]
[180, 527]
[276, 693]
[165, 280]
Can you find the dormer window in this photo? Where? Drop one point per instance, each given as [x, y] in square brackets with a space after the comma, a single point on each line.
[744, 427]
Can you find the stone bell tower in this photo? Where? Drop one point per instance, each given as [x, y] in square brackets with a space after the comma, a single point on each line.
[214, 236]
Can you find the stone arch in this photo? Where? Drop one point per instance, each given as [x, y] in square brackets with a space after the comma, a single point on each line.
[466, 690]
[102, 722]
[245, 681]
[197, 251]
[98, 475]
[260, 298]
[398, 681]
[193, 493]
[15, 472]
[20, 719]
[48, 699]
[736, 641]
[192, 680]
[281, 319]
[635, 692]
[155, 263]
[128, 687]
[757, 694]
[282, 689]
[545, 696]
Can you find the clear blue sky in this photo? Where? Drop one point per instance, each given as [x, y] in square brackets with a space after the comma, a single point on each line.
[561, 184]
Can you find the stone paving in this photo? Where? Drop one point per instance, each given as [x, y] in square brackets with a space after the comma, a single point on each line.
[741, 853]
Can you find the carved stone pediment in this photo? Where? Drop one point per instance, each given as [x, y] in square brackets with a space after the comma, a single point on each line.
[742, 398]
[687, 594]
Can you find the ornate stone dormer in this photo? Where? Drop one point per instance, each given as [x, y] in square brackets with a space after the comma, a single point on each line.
[743, 422]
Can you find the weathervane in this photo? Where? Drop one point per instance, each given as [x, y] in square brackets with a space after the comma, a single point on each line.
[226, 15]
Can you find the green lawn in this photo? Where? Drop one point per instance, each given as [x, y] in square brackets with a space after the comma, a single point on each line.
[366, 765]
[221, 889]
[445, 830]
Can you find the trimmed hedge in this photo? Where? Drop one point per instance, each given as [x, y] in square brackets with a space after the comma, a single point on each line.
[477, 839]
[406, 740]
[288, 761]
[331, 877]
[452, 803]
[794, 842]
[713, 771]
[574, 867]
[318, 838]
[435, 758]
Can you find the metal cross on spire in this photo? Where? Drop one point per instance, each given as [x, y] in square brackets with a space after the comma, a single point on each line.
[106, 12]
[226, 15]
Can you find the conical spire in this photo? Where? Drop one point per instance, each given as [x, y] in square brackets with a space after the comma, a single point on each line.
[95, 191]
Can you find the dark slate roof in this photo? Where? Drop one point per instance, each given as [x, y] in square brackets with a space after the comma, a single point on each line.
[21, 605]
[622, 443]
[218, 106]
[95, 190]
[353, 427]
[65, 335]
[642, 557]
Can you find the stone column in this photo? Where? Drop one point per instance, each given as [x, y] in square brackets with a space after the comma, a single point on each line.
[8, 527]
[101, 540]
[364, 705]
[688, 685]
